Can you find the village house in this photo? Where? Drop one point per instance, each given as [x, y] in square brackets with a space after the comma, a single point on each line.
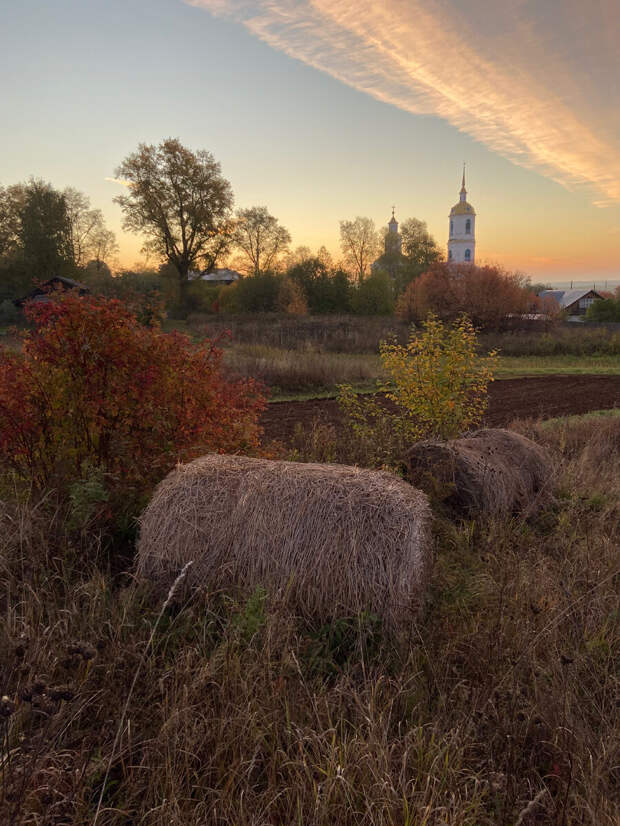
[572, 302]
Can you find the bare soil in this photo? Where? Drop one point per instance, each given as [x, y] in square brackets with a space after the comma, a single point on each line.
[538, 398]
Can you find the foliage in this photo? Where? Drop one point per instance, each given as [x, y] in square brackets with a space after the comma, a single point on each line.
[44, 233]
[9, 314]
[94, 388]
[291, 299]
[88, 236]
[327, 290]
[257, 293]
[607, 309]
[180, 201]
[439, 380]
[359, 241]
[373, 295]
[488, 295]
[437, 384]
[260, 238]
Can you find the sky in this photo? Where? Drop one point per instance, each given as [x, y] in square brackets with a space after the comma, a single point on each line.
[323, 110]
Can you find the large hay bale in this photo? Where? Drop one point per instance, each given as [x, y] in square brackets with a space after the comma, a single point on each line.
[490, 471]
[328, 540]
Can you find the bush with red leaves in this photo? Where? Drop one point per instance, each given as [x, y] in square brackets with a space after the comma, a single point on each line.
[93, 388]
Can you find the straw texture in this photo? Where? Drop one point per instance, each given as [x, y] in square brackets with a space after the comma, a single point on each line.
[491, 472]
[328, 540]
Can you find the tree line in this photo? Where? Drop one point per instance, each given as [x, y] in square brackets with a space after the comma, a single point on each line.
[179, 202]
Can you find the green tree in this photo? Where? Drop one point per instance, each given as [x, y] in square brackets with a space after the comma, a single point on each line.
[327, 290]
[181, 203]
[374, 296]
[45, 232]
[420, 250]
[605, 309]
[260, 238]
[258, 293]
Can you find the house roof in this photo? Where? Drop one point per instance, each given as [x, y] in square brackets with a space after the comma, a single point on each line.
[67, 282]
[41, 293]
[223, 274]
[567, 297]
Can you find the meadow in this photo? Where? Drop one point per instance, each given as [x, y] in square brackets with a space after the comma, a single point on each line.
[299, 357]
[498, 708]
[123, 704]
[293, 373]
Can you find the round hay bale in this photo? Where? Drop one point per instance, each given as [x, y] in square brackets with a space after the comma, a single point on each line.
[327, 540]
[490, 471]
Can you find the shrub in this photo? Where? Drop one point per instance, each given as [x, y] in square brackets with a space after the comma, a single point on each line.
[607, 309]
[439, 380]
[9, 314]
[93, 388]
[291, 298]
[437, 384]
[258, 293]
[488, 295]
[374, 296]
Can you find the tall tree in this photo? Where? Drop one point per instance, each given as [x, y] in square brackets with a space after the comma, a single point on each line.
[89, 238]
[418, 244]
[12, 199]
[359, 241]
[180, 201]
[45, 232]
[261, 238]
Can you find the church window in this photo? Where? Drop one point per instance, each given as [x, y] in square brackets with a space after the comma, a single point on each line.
[449, 255]
[451, 227]
[468, 255]
[468, 226]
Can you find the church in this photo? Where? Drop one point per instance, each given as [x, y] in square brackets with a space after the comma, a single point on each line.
[462, 237]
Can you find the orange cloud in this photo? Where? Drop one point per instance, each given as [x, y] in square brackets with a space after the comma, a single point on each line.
[528, 87]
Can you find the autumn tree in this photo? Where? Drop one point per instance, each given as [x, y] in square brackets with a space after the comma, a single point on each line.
[359, 241]
[89, 239]
[488, 295]
[181, 203]
[261, 238]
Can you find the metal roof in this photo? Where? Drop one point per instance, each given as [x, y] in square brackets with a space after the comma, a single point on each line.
[567, 297]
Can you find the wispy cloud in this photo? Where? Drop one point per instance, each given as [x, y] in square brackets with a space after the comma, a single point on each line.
[536, 83]
[119, 181]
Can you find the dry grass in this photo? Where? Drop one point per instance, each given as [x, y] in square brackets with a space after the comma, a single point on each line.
[490, 471]
[299, 370]
[502, 710]
[329, 540]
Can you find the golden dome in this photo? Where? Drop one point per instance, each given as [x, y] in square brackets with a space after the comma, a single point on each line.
[462, 208]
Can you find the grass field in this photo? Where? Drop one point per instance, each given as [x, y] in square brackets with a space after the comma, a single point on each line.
[499, 708]
[309, 373]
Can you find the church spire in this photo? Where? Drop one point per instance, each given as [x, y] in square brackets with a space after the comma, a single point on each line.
[463, 192]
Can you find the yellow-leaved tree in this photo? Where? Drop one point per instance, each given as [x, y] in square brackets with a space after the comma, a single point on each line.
[437, 383]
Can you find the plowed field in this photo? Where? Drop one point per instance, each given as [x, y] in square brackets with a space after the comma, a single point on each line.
[544, 398]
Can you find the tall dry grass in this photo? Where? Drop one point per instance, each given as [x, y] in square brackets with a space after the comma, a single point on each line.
[303, 369]
[359, 334]
[502, 710]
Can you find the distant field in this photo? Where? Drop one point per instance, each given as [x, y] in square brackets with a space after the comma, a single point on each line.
[303, 374]
[554, 365]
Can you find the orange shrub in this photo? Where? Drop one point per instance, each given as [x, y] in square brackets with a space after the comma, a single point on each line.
[92, 388]
[487, 295]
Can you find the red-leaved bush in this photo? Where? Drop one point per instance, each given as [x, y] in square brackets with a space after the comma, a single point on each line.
[488, 295]
[92, 388]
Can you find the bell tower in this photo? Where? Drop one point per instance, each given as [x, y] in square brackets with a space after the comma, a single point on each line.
[462, 235]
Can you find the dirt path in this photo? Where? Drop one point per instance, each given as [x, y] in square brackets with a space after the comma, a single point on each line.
[543, 397]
